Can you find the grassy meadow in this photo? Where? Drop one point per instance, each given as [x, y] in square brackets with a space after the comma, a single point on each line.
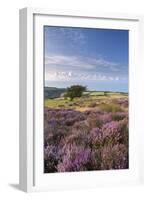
[106, 101]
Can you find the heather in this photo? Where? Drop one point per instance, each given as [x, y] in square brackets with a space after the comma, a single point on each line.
[90, 134]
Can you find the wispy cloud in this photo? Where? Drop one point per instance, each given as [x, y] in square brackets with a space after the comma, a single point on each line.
[86, 56]
[71, 35]
[76, 35]
[62, 61]
[70, 68]
[70, 76]
[78, 62]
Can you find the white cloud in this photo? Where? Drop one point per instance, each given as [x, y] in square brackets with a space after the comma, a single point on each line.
[74, 68]
[77, 63]
[70, 76]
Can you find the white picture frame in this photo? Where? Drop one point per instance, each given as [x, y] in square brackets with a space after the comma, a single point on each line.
[31, 100]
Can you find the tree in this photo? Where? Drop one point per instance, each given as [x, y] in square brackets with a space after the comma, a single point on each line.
[105, 93]
[75, 91]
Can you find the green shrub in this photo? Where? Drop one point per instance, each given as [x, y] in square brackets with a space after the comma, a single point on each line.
[110, 108]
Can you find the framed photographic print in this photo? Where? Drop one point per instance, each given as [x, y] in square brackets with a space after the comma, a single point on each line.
[80, 110]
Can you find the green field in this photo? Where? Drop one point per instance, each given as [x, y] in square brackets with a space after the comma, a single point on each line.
[89, 100]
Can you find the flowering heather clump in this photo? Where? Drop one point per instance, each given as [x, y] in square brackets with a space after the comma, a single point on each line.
[95, 139]
[119, 116]
[111, 132]
[106, 117]
[114, 157]
[121, 101]
[76, 139]
[51, 158]
[75, 158]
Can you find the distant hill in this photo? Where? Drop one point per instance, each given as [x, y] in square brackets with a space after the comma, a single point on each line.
[53, 92]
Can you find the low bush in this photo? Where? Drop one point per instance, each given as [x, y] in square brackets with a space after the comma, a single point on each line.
[111, 108]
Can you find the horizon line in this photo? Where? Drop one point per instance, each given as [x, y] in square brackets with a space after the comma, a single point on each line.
[90, 90]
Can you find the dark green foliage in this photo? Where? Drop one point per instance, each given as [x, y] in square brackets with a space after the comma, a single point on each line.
[105, 94]
[75, 91]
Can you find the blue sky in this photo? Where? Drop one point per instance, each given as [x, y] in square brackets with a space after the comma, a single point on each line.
[96, 58]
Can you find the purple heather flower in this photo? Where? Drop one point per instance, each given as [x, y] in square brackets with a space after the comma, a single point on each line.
[74, 159]
[90, 140]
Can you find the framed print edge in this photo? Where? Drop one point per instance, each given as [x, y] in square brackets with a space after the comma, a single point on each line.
[26, 100]
[27, 80]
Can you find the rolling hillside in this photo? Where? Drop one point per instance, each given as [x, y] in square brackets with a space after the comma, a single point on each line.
[53, 92]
